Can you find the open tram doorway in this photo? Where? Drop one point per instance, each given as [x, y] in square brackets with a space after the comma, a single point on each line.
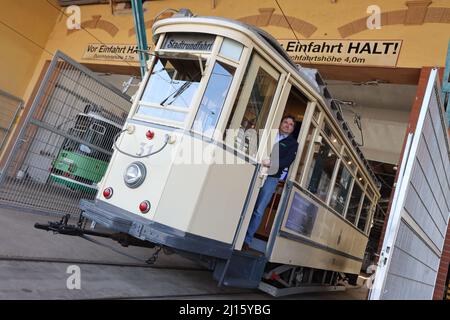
[296, 105]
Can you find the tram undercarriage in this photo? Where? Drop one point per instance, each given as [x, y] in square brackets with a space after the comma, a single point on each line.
[245, 269]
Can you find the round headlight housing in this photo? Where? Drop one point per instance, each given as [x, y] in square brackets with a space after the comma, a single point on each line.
[135, 174]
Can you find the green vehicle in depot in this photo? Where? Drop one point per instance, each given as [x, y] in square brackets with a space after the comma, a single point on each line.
[80, 166]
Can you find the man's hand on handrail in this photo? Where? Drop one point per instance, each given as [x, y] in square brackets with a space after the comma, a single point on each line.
[266, 163]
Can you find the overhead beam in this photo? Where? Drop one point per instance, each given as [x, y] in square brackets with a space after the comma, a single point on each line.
[446, 84]
[139, 25]
[364, 74]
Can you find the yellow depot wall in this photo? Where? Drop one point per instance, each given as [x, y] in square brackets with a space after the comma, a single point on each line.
[424, 30]
[425, 38]
[19, 57]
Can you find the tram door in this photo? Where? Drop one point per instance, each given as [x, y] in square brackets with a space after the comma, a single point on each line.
[291, 102]
[256, 110]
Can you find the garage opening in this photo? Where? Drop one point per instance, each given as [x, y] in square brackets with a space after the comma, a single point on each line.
[376, 104]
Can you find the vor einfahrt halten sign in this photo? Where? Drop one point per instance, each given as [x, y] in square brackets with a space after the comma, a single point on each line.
[111, 52]
[344, 52]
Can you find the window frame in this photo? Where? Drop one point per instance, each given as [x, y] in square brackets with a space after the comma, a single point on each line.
[229, 117]
[191, 112]
[333, 174]
[371, 207]
[363, 195]
[347, 200]
[319, 131]
[310, 152]
[226, 101]
[194, 102]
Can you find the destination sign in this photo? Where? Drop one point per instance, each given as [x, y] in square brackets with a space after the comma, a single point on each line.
[189, 42]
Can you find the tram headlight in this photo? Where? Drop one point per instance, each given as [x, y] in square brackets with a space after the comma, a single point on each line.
[135, 174]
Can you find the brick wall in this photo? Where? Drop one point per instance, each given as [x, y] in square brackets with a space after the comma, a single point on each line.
[441, 279]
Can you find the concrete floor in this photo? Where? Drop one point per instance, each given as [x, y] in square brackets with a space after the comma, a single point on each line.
[34, 265]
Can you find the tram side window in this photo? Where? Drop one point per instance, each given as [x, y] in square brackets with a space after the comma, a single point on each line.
[316, 114]
[322, 168]
[365, 210]
[331, 135]
[214, 98]
[301, 165]
[261, 97]
[341, 189]
[349, 161]
[250, 112]
[353, 205]
[231, 49]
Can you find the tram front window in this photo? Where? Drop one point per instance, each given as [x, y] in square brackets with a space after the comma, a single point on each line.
[214, 98]
[173, 82]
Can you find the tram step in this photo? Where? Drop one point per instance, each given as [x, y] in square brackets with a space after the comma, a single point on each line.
[245, 270]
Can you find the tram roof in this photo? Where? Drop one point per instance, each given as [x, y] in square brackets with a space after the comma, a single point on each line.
[309, 75]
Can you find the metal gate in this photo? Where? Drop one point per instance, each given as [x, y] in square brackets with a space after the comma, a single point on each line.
[419, 214]
[9, 109]
[65, 144]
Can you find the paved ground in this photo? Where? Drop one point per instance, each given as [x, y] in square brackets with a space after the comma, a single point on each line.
[34, 265]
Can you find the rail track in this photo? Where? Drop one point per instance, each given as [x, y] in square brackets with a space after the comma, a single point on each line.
[45, 278]
[100, 263]
[231, 296]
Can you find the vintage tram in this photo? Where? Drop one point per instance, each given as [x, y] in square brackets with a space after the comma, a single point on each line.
[81, 165]
[210, 81]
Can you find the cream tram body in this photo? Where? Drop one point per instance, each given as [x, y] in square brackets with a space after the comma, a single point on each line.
[205, 208]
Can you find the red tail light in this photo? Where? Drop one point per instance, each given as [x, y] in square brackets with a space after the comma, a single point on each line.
[145, 206]
[150, 134]
[107, 193]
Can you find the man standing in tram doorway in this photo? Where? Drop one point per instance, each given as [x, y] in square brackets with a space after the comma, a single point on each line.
[283, 154]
